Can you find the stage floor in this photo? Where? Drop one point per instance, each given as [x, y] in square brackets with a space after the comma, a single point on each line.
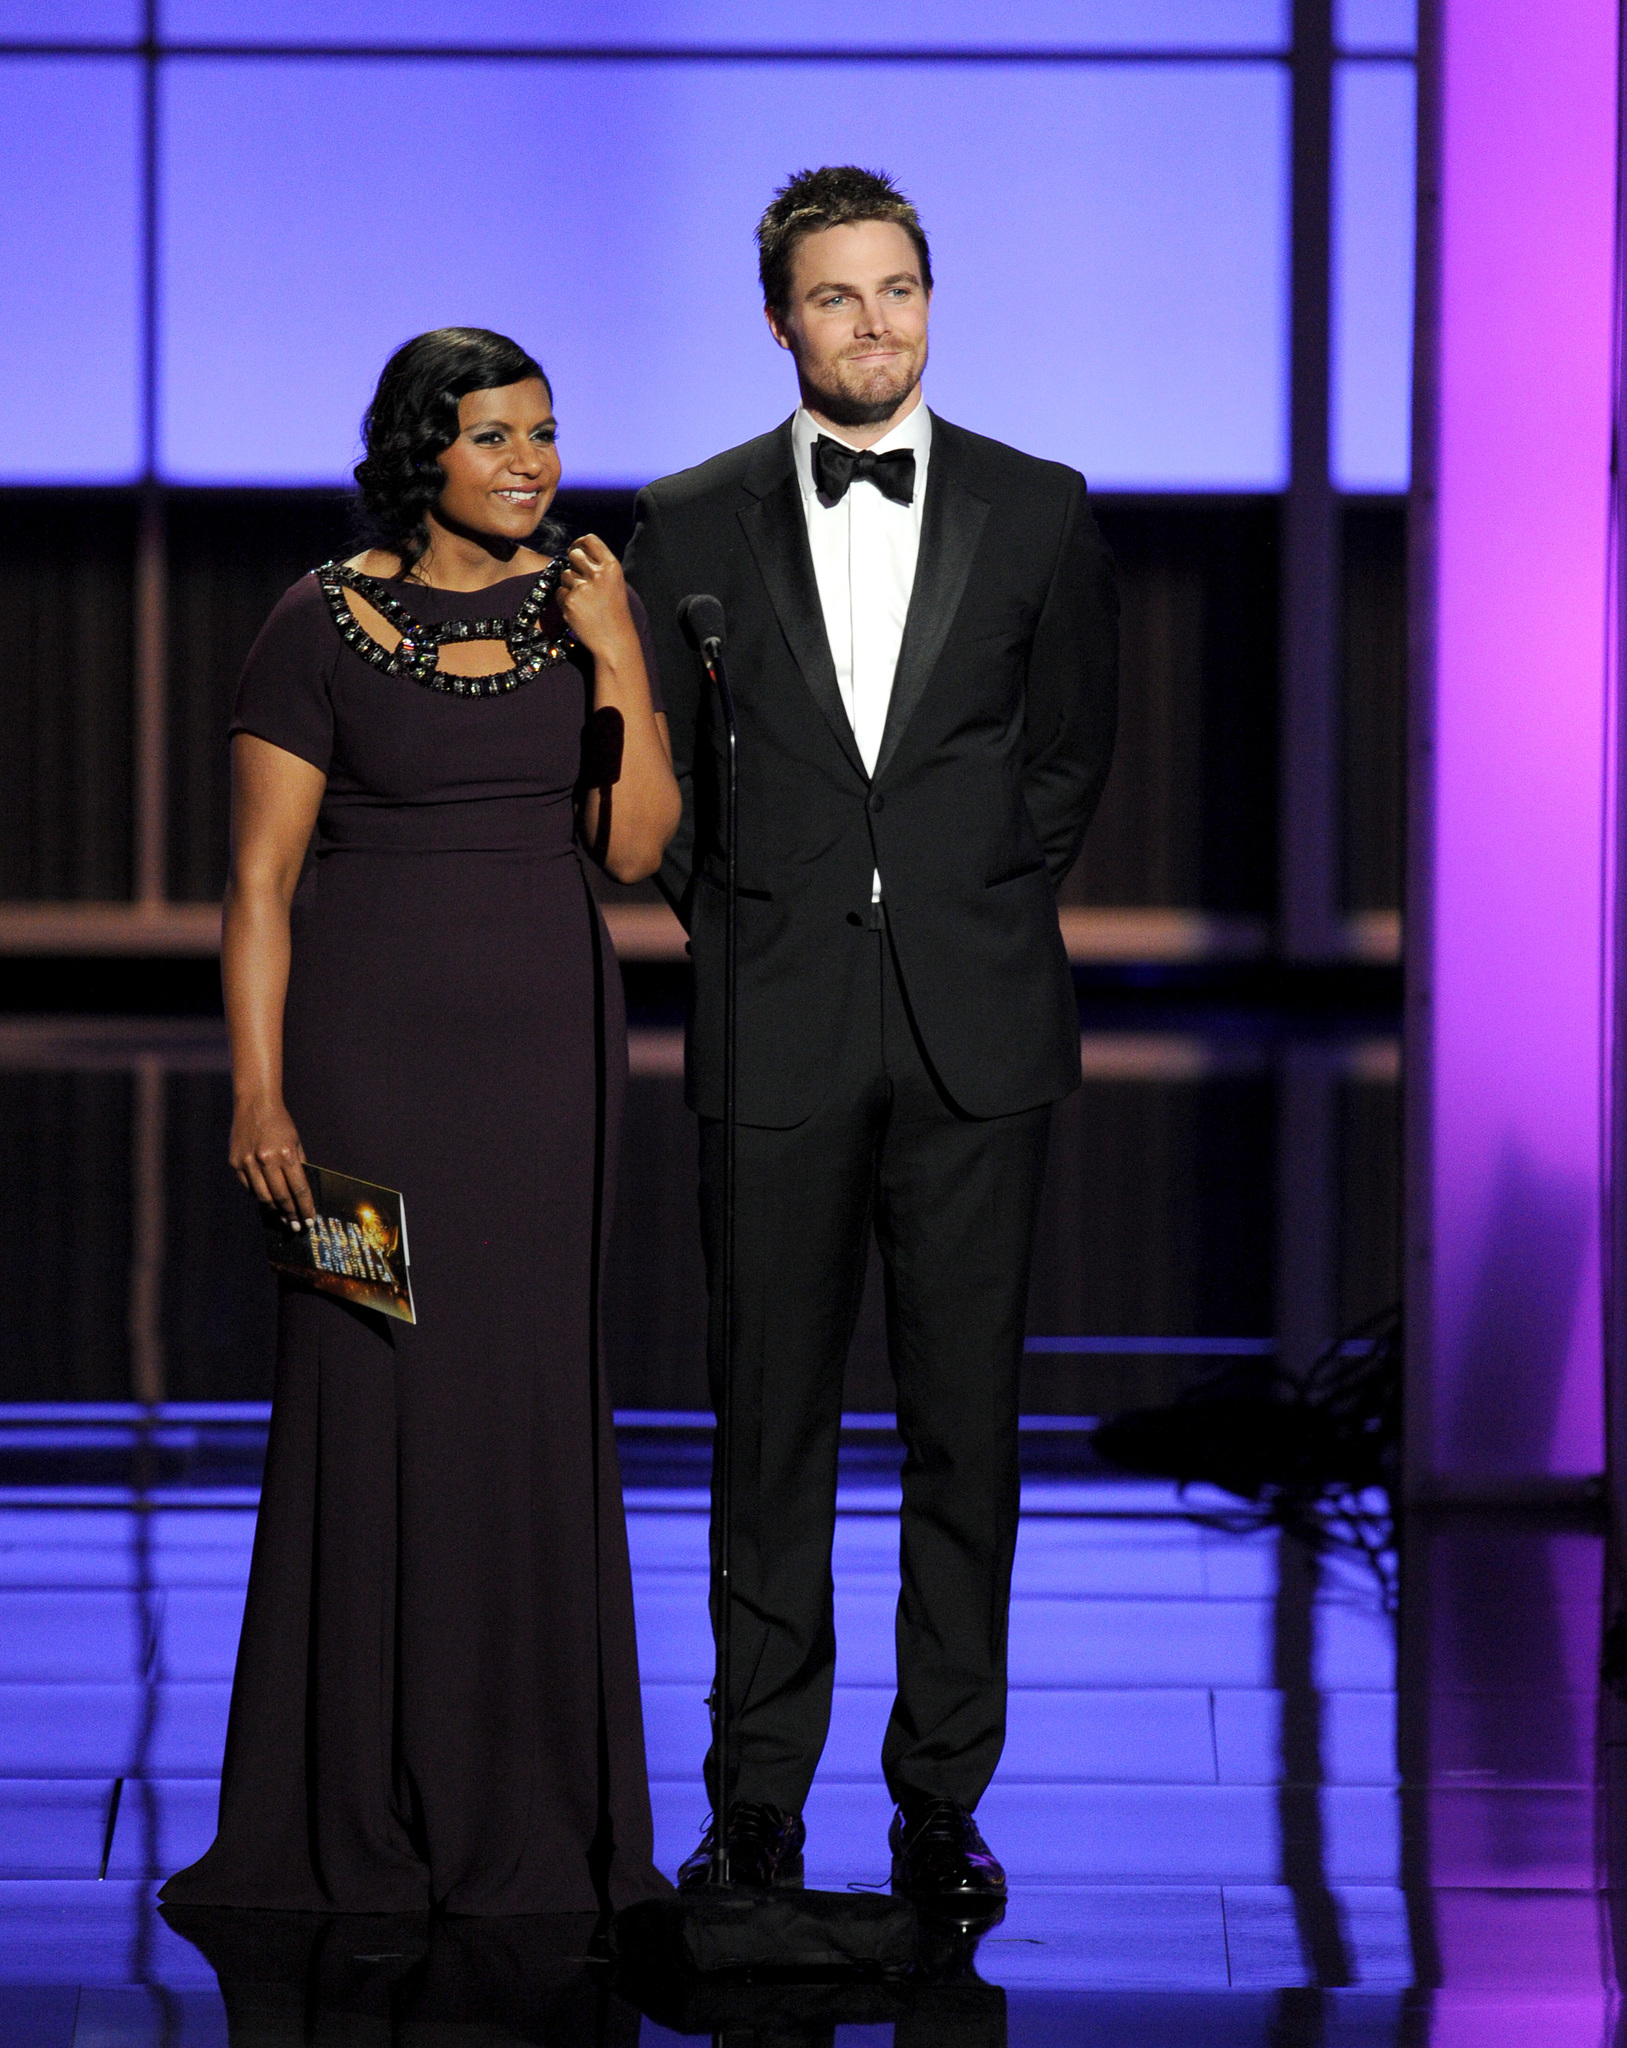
[1247, 1798]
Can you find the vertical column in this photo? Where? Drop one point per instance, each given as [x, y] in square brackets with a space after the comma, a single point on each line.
[151, 808]
[1506, 905]
[152, 703]
[1308, 780]
[147, 1231]
[147, 1223]
[1309, 924]
[1307, 1276]
[1616, 1269]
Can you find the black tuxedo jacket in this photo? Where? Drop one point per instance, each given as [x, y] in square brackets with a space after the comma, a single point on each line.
[996, 745]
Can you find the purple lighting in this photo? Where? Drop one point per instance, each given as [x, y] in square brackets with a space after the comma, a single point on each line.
[1375, 201]
[1110, 257]
[1506, 960]
[1375, 24]
[71, 21]
[747, 24]
[70, 341]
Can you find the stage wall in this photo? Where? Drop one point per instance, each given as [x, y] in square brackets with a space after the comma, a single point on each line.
[1507, 987]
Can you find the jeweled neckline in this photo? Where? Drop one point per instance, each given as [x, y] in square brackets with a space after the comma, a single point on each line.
[416, 653]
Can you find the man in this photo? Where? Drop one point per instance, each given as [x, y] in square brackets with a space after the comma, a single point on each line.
[922, 645]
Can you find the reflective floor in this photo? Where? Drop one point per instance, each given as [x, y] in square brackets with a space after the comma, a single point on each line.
[1247, 1797]
[1259, 1790]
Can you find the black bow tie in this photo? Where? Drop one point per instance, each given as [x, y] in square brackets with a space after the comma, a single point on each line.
[836, 466]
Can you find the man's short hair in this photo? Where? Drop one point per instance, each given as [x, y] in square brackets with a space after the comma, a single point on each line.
[838, 196]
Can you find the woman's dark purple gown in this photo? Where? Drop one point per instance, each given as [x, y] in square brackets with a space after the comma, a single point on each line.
[436, 1700]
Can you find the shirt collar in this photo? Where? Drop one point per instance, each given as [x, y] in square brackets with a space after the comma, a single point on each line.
[913, 432]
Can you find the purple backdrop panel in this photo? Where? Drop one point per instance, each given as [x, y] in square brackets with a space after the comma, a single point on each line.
[744, 24]
[70, 21]
[69, 344]
[1524, 363]
[1375, 126]
[1375, 24]
[1108, 244]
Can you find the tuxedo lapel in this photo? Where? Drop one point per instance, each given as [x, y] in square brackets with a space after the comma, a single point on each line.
[777, 533]
[949, 535]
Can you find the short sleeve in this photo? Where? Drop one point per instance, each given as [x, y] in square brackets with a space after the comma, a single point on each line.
[284, 695]
[646, 640]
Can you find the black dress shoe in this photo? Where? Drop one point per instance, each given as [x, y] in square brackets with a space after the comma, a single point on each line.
[765, 1849]
[938, 1855]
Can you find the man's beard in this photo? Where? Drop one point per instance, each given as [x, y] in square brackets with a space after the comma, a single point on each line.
[843, 409]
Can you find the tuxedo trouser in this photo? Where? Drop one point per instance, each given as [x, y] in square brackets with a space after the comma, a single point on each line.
[952, 1201]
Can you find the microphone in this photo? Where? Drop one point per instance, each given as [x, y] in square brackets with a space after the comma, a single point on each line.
[702, 621]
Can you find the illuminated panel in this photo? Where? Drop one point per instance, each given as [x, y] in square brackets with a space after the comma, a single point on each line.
[1507, 1227]
[69, 344]
[1375, 144]
[1375, 24]
[70, 21]
[745, 24]
[1109, 292]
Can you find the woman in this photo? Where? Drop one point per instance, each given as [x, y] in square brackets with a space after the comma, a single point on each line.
[436, 1699]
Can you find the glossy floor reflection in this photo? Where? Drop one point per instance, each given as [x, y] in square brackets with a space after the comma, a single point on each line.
[1243, 1799]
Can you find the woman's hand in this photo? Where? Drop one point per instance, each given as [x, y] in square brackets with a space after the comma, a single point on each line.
[593, 597]
[625, 824]
[267, 1157]
[275, 797]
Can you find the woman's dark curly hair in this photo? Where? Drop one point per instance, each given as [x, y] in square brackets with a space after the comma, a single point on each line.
[413, 419]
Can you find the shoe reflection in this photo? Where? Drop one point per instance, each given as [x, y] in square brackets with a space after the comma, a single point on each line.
[945, 2004]
[354, 1980]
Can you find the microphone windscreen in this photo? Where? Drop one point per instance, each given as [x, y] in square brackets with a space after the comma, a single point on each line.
[702, 620]
[603, 740]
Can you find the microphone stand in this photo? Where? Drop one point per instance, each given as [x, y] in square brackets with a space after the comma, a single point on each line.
[723, 1930]
[712, 656]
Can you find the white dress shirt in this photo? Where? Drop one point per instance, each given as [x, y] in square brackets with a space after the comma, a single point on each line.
[864, 554]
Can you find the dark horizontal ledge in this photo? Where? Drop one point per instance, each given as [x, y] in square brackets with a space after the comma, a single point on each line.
[1106, 934]
[76, 1425]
